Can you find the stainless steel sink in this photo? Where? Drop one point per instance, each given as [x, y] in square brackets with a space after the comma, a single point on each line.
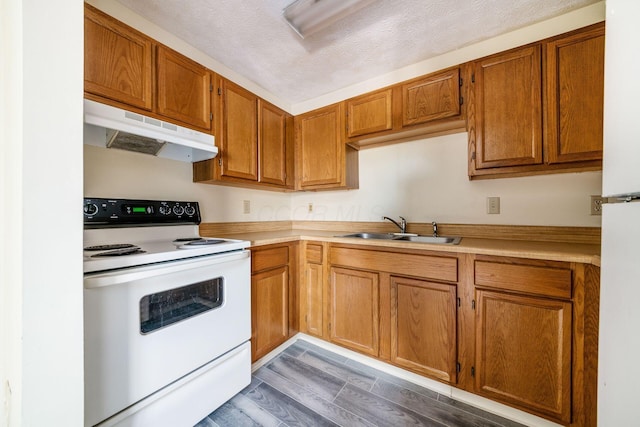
[387, 236]
[440, 240]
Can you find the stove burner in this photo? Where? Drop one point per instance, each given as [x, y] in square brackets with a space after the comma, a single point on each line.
[187, 239]
[202, 242]
[109, 247]
[129, 250]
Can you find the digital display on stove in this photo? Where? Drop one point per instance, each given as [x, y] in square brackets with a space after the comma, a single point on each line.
[137, 210]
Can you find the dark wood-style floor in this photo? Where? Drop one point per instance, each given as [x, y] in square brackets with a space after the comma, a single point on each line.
[306, 385]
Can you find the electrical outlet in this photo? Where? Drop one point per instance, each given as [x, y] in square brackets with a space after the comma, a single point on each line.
[310, 208]
[493, 205]
[596, 205]
[246, 206]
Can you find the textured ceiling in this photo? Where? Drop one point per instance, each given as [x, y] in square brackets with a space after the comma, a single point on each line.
[251, 37]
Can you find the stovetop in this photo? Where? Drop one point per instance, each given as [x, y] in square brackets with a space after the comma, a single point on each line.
[128, 233]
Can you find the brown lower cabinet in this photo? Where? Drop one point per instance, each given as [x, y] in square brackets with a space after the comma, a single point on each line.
[522, 332]
[273, 297]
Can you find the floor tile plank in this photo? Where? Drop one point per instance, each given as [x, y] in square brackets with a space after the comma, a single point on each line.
[348, 373]
[381, 411]
[322, 383]
[286, 409]
[479, 412]
[311, 400]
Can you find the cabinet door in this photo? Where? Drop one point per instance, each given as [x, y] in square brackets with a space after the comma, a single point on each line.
[272, 144]
[369, 113]
[321, 151]
[575, 97]
[184, 89]
[523, 352]
[312, 290]
[239, 137]
[508, 109]
[353, 312]
[269, 313]
[434, 97]
[117, 60]
[423, 327]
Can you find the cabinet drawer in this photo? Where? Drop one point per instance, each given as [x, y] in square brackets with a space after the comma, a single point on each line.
[269, 258]
[531, 279]
[313, 254]
[424, 266]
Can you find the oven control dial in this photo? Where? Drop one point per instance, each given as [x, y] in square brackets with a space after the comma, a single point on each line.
[190, 210]
[165, 210]
[178, 210]
[90, 209]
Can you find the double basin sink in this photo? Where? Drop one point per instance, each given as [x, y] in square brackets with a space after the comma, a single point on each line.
[406, 237]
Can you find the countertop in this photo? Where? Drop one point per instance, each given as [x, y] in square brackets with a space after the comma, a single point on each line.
[552, 251]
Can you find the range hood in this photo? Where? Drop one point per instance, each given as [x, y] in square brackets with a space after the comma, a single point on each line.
[112, 127]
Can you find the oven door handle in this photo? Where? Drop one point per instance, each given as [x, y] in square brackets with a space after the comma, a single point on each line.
[124, 276]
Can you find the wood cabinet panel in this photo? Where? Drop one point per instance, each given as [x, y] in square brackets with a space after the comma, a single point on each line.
[238, 157]
[575, 97]
[321, 153]
[424, 266]
[272, 144]
[548, 281]
[434, 97]
[423, 327]
[508, 109]
[523, 349]
[312, 289]
[270, 310]
[263, 259]
[369, 113]
[353, 311]
[183, 89]
[117, 60]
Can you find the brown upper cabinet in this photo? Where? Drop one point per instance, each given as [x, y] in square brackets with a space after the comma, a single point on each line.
[538, 109]
[255, 139]
[125, 68]
[117, 60]
[323, 159]
[427, 106]
[184, 89]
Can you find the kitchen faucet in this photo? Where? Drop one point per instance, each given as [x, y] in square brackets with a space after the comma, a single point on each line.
[402, 226]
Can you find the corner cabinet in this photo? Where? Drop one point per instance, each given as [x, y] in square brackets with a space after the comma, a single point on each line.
[273, 297]
[526, 118]
[255, 139]
[323, 160]
[117, 61]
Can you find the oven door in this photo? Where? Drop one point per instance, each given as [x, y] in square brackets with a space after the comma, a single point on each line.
[149, 326]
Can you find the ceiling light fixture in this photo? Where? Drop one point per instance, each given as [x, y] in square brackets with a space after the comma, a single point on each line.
[308, 16]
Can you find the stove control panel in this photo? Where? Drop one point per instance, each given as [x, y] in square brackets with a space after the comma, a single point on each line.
[100, 212]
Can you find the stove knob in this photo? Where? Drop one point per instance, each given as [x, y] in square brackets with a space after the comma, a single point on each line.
[90, 209]
[178, 210]
[190, 210]
[165, 210]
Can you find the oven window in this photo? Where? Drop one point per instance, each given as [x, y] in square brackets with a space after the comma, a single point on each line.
[165, 308]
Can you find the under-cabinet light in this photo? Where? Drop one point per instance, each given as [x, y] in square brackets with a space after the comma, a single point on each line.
[308, 16]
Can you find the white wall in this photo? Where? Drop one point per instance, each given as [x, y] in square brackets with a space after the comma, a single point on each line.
[427, 180]
[41, 125]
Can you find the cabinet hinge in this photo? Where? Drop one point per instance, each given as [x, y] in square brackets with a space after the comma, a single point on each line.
[473, 78]
[329, 326]
[460, 82]
[219, 91]
[210, 87]
[306, 319]
[458, 367]
[461, 100]
[220, 161]
[473, 371]
[210, 116]
[473, 304]
[473, 155]
[459, 302]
